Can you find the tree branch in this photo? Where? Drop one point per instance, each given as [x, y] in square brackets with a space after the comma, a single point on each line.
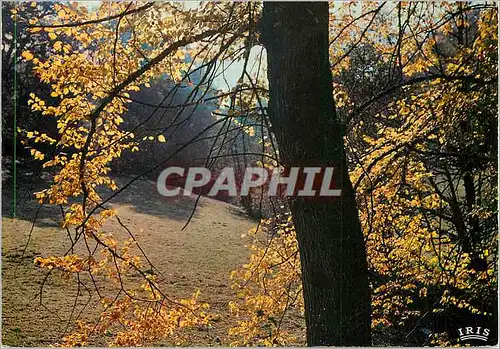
[94, 21]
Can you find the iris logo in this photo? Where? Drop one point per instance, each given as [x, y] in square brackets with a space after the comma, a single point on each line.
[471, 333]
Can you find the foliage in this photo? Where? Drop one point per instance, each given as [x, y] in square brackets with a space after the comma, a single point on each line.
[18, 81]
[268, 286]
[422, 153]
[99, 58]
[431, 242]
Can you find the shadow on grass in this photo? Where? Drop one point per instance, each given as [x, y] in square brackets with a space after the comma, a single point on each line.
[142, 196]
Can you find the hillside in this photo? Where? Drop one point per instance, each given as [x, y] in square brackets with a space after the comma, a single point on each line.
[198, 257]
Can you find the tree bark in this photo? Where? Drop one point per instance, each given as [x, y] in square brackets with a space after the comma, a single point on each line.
[309, 133]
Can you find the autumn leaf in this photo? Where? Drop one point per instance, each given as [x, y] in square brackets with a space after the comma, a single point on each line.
[27, 55]
[58, 45]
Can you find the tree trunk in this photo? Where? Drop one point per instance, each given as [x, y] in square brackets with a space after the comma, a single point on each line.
[302, 114]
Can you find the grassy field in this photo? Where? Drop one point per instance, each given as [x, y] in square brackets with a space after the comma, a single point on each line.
[199, 257]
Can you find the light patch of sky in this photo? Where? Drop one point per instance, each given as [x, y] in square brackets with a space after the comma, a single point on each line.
[91, 5]
[229, 72]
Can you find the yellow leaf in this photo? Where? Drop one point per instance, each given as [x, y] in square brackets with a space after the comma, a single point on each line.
[39, 156]
[58, 45]
[33, 4]
[52, 36]
[161, 138]
[27, 55]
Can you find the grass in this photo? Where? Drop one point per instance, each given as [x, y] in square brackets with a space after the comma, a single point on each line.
[199, 257]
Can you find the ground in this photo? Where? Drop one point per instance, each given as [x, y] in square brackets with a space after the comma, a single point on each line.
[198, 257]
